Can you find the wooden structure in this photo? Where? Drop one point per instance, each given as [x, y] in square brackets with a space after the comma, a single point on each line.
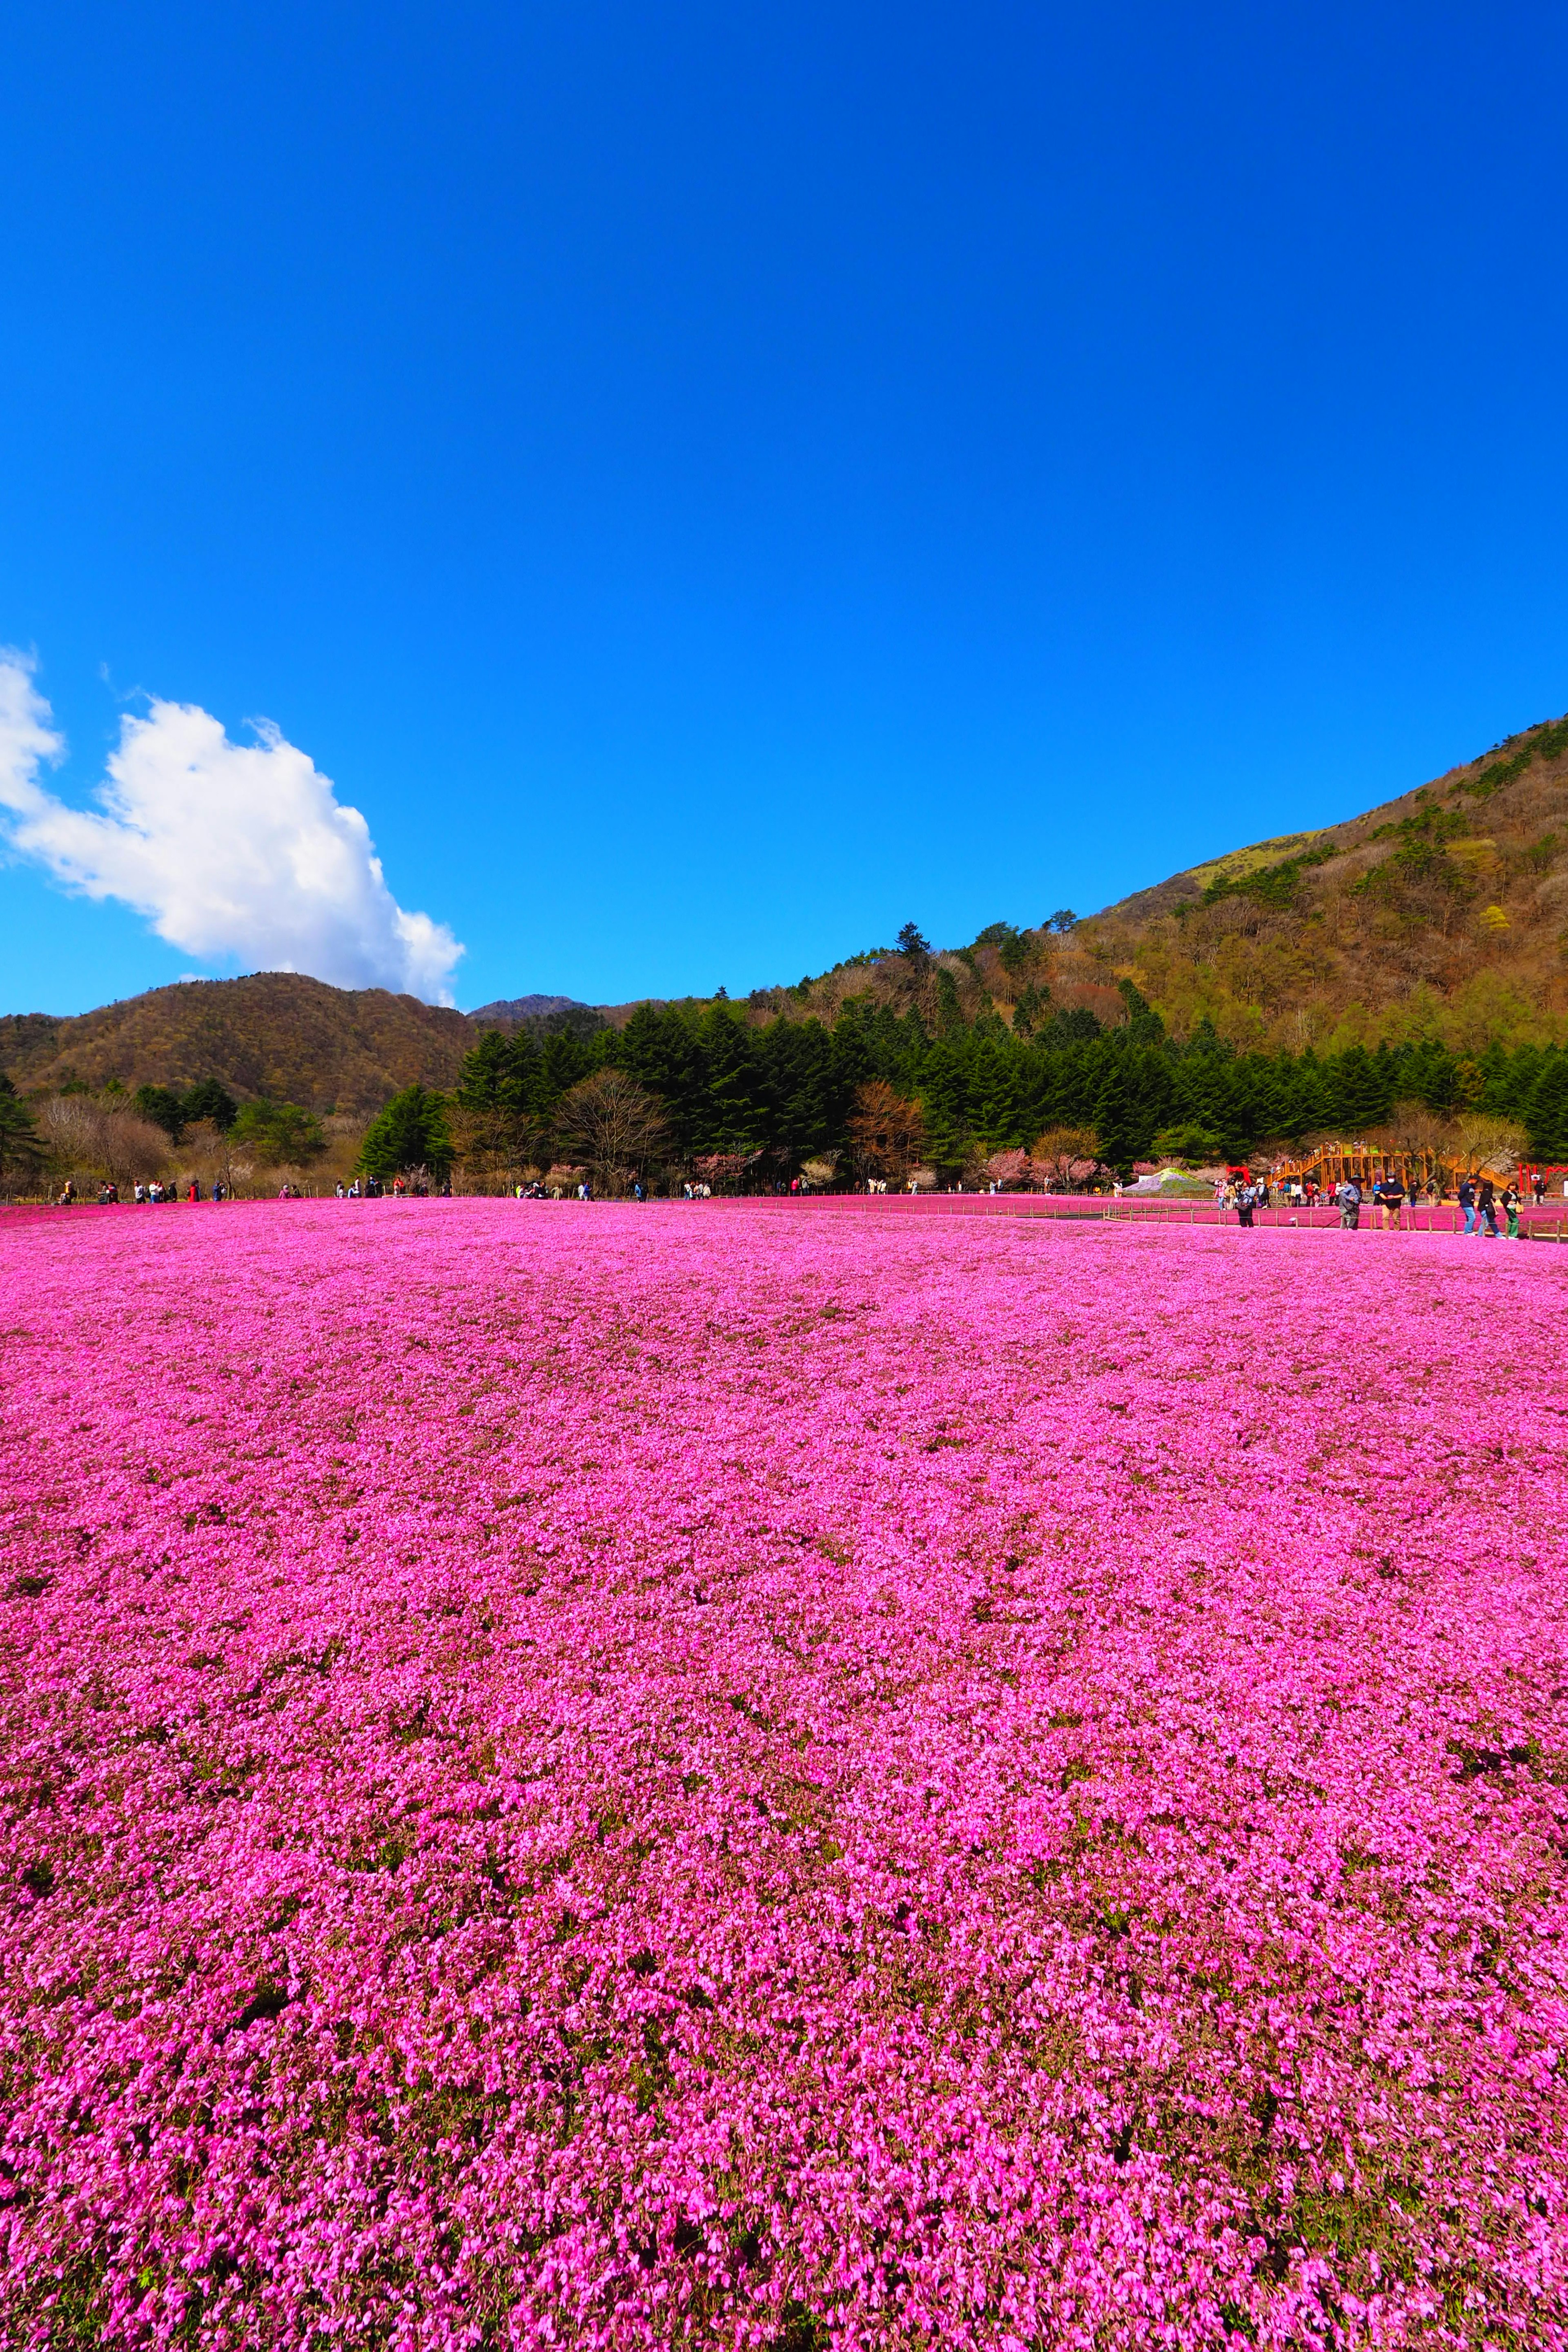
[1333, 1163]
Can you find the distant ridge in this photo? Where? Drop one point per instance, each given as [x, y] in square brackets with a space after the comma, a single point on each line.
[511, 1012]
[1442, 914]
[275, 1032]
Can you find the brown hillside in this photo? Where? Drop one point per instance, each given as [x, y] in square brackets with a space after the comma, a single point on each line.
[1442, 914]
[275, 1033]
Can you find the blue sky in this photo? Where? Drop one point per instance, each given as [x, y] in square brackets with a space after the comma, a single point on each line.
[709, 484]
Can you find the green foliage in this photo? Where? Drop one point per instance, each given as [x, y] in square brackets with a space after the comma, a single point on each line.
[411, 1132]
[280, 1134]
[1275, 887]
[1421, 857]
[163, 1107]
[1144, 1025]
[487, 1080]
[208, 1099]
[949, 1005]
[20, 1151]
[784, 1090]
[1544, 743]
[1546, 1112]
[1192, 1145]
[1011, 946]
[1429, 824]
[1031, 1009]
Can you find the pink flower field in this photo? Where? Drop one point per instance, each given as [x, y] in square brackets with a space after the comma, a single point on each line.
[599, 1776]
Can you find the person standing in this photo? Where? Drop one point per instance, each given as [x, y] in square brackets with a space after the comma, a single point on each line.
[1350, 1205]
[1510, 1209]
[1485, 1207]
[1246, 1201]
[1468, 1201]
[1389, 1191]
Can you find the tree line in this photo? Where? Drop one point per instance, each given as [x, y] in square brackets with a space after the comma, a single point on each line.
[126, 1137]
[710, 1088]
[778, 1094]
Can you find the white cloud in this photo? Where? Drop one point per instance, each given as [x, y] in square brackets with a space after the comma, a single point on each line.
[230, 850]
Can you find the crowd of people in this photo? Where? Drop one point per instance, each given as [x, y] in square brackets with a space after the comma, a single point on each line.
[1481, 1199]
[415, 1187]
[152, 1195]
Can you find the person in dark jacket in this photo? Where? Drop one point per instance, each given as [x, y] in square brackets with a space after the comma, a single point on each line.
[1468, 1201]
[1486, 1206]
[1389, 1194]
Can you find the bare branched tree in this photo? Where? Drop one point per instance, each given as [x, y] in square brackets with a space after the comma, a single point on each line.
[889, 1131]
[1493, 1145]
[615, 1125]
[207, 1152]
[1412, 1130]
[87, 1138]
[494, 1146]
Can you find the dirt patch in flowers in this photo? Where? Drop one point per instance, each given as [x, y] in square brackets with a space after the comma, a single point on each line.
[614, 1775]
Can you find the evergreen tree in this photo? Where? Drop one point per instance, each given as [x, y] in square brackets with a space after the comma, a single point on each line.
[564, 1060]
[949, 1005]
[804, 1107]
[280, 1134]
[1133, 1105]
[411, 1132]
[1145, 1027]
[996, 1094]
[945, 1093]
[485, 1079]
[20, 1151]
[1546, 1114]
[730, 1116]
[1358, 1094]
[163, 1107]
[208, 1099]
[1431, 1077]
[659, 1049]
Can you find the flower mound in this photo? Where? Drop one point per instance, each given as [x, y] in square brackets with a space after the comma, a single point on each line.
[611, 1776]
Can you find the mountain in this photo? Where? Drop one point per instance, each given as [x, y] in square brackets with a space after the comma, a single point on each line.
[1442, 914]
[275, 1033]
[508, 1012]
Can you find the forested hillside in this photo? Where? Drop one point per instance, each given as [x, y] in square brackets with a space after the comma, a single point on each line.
[1410, 963]
[789, 1088]
[1441, 915]
[275, 1035]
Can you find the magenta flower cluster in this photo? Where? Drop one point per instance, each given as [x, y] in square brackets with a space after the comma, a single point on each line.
[606, 1777]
